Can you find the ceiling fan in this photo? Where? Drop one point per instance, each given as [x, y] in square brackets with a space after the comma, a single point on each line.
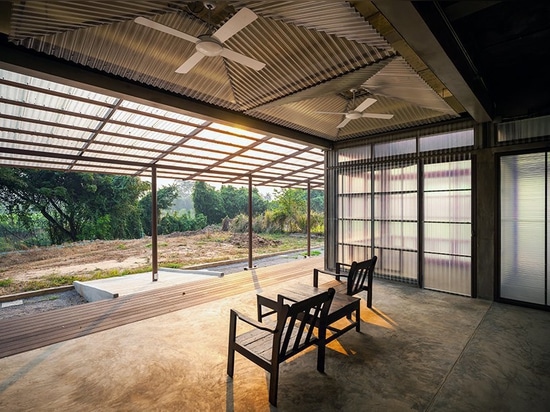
[357, 113]
[211, 44]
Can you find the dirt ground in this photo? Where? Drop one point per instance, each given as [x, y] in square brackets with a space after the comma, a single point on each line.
[84, 258]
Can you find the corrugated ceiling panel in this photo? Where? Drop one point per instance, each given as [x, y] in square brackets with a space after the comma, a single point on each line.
[335, 18]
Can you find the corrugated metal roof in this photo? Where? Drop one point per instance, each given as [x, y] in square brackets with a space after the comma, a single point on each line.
[315, 52]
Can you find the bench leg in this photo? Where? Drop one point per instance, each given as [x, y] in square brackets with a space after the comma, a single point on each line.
[358, 318]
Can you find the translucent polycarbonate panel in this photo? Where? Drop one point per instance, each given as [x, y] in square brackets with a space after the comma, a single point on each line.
[399, 147]
[523, 129]
[20, 137]
[276, 149]
[354, 207]
[448, 238]
[136, 133]
[313, 155]
[522, 227]
[446, 140]
[396, 179]
[153, 122]
[288, 143]
[448, 206]
[190, 158]
[396, 206]
[239, 165]
[210, 146]
[352, 154]
[448, 273]
[236, 130]
[226, 138]
[110, 140]
[448, 176]
[161, 112]
[354, 232]
[302, 162]
[44, 129]
[262, 155]
[350, 253]
[46, 100]
[398, 264]
[355, 180]
[74, 150]
[99, 151]
[49, 86]
[447, 226]
[396, 235]
[49, 117]
[286, 166]
[249, 160]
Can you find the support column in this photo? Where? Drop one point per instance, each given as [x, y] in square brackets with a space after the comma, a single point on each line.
[250, 265]
[154, 217]
[308, 219]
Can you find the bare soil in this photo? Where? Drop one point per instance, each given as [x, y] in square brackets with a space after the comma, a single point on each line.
[85, 258]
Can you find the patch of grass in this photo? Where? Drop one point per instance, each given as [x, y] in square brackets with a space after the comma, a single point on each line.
[121, 246]
[312, 253]
[4, 283]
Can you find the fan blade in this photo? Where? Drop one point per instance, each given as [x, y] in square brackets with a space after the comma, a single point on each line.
[190, 63]
[377, 115]
[165, 29]
[368, 102]
[235, 24]
[242, 59]
[342, 114]
[344, 122]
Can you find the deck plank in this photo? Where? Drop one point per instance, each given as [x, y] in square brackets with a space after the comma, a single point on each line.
[28, 332]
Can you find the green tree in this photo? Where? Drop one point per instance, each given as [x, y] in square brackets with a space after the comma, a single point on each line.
[289, 209]
[165, 198]
[75, 205]
[235, 201]
[207, 201]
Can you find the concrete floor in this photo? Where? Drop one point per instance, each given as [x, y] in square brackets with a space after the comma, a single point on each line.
[418, 350]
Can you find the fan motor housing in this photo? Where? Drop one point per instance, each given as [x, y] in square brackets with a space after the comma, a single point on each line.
[209, 46]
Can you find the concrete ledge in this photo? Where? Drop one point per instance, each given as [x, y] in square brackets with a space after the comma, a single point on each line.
[92, 293]
[110, 288]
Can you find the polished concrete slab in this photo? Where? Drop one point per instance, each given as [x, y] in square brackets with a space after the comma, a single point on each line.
[418, 350]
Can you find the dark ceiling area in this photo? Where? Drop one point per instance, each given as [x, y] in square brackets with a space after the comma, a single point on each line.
[501, 47]
[315, 73]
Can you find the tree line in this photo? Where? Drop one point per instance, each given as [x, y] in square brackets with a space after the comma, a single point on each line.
[42, 207]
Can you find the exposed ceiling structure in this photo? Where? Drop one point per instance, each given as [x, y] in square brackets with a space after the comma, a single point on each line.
[285, 87]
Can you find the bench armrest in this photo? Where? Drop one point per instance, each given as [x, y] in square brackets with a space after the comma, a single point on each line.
[250, 321]
[327, 272]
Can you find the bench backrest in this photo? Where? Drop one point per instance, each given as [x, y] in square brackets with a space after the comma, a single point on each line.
[296, 323]
[359, 273]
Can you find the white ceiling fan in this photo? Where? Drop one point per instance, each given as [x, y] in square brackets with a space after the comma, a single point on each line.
[211, 44]
[357, 113]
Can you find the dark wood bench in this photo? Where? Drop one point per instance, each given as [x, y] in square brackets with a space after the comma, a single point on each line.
[342, 306]
[359, 276]
[270, 345]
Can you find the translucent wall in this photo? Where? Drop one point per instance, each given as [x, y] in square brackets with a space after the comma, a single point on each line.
[379, 192]
[523, 234]
[447, 227]
[396, 220]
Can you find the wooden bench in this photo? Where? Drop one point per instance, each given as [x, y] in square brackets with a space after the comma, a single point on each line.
[342, 306]
[269, 345]
[359, 277]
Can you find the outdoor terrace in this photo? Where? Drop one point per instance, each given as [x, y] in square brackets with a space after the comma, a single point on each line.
[166, 350]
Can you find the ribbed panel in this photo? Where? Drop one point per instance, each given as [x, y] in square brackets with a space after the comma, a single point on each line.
[523, 237]
[335, 18]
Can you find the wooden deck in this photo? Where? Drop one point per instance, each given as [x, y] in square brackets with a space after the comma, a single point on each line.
[24, 333]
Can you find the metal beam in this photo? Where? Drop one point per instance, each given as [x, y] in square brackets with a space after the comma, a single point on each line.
[409, 23]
